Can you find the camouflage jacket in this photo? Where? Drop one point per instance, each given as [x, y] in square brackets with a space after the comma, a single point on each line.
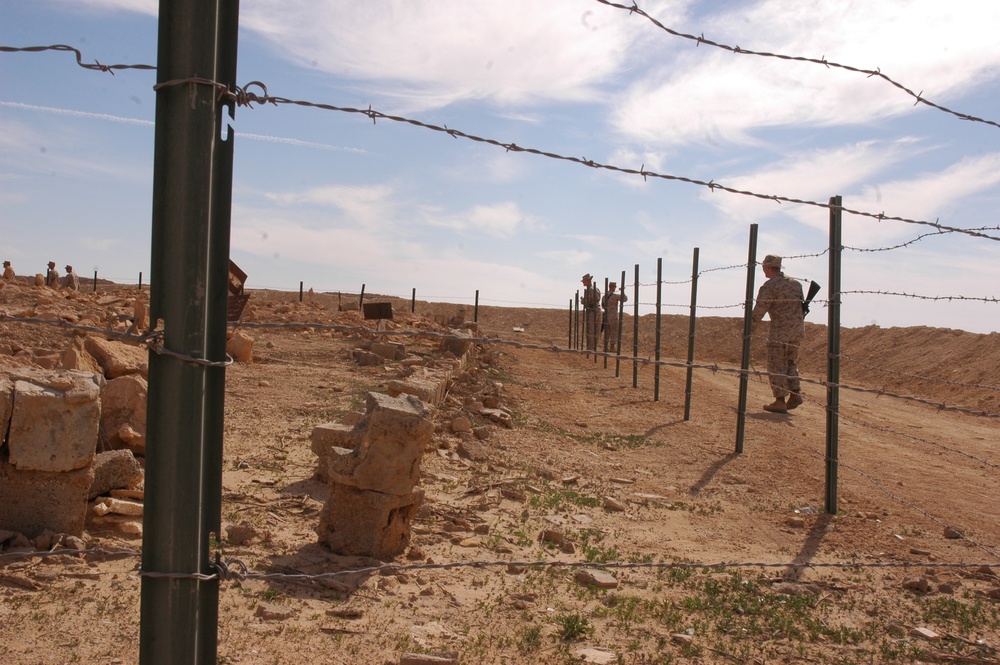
[780, 298]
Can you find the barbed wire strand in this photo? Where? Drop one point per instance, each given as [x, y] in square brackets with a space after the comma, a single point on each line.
[870, 73]
[877, 485]
[713, 367]
[79, 57]
[242, 97]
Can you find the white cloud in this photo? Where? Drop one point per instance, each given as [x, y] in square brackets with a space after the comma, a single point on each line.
[501, 220]
[371, 206]
[709, 95]
[435, 53]
[810, 176]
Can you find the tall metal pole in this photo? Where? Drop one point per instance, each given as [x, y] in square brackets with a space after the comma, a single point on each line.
[413, 300]
[475, 310]
[833, 358]
[569, 343]
[692, 317]
[576, 320]
[618, 333]
[188, 294]
[604, 325]
[361, 297]
[635, 330]
[659, 320]
[741, 410]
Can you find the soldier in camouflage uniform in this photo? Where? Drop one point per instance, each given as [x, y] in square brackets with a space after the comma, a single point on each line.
[780, 298]
[591, 302]
[52, 276]
[612, 302]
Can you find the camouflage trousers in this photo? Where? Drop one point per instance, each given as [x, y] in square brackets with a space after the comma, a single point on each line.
[611, 333]
[592, 327]
[781, 365]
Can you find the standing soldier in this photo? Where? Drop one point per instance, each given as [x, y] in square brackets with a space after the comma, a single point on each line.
[780, 298]
[8, 272]
[52, 276]
[612, 302]
[71, 282]
[591, 301]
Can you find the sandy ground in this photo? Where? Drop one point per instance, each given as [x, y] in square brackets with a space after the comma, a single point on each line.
[716, 556]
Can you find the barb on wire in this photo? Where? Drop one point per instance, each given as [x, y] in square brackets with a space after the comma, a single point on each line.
[79, 57]
[870, 73]
[247, 98]
[986, 299]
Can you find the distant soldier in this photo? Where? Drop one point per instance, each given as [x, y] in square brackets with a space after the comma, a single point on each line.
[591, 302]
[52, 276]
[71, 282]
[612, 301]
[8, 272]
[780, 298]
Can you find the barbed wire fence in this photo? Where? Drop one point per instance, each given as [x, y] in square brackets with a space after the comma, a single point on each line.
[233, 569]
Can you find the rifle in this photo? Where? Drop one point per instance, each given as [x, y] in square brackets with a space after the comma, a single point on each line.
[813, 290]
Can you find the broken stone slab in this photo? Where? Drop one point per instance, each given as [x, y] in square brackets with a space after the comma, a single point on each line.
[54, 420]
[366, 523]
[388, 350]
[596, 655]
[123, 413]
[33, 501]
[272, 612]
[597, 578]
[459, 343]
[114, 469]
[117, 358]
[391, 442]
[329, 436]
[498, 416]
[118, 507]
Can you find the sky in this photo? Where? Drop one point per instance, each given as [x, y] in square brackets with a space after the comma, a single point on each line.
[334, 201]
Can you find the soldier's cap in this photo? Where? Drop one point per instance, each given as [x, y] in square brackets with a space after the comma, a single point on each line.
[587, 277]
[771, 261]
[6, 263]
[52, 263]
[610, 284]
[69, 267]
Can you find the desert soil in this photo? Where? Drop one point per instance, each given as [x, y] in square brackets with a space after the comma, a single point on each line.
[716, 556]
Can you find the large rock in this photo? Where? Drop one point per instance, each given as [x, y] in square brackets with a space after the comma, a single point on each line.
[117, 358]
[33, 501]
[54, 420]
[358, 522]
[123, 413]
[113, 470]
[390, 444]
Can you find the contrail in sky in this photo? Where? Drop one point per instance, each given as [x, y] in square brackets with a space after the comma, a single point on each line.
[149, 123]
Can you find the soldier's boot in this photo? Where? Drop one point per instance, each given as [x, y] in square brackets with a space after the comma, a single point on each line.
[794, 400]
[777, 406]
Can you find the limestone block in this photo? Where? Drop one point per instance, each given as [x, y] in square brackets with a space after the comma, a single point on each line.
[114, 469]
[364, 523]
[54, 422]
[240, 347]
[328, 437]
[429, 391]
[459, 347]
[33, 501]
[123, 413]
[393, 437]
[76, 357]
[388, 350]
[118, 359]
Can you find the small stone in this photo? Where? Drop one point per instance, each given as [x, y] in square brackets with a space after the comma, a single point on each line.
[947, 588]
[552, 536]
[681, 638]
[427, 659]
[240, 534]
[513, 494]
[614, 505]
[515, 569]
[596, 655]
[925, 633]
[570, 480]
[796, 522]
[346, 612]
[598, 578]
[917, 584]
[272, 612]
[919, 552]
[952, 533]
